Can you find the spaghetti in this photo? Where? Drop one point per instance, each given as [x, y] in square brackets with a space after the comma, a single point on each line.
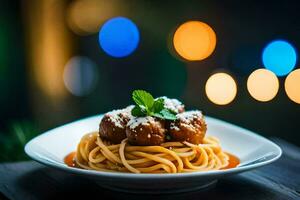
[94, 153]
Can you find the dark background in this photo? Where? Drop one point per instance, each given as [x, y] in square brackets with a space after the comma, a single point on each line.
[243, 28]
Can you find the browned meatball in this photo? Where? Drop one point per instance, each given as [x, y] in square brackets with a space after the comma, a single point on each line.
[113, 125]
[173, 104]
[145, 131]
[190, 126]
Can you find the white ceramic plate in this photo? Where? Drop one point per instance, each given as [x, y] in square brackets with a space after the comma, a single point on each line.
[51, 147]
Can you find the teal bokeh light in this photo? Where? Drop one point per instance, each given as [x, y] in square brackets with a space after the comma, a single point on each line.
[280, 57]
[119, 37]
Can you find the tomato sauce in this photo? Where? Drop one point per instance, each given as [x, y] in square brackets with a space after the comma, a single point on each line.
[69, 159]
[233, 161]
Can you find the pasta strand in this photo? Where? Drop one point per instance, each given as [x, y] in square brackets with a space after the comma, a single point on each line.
[93, 153]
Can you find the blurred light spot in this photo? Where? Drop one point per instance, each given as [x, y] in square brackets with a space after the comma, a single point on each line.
[221, 88]
[86, 16]
[263, 85]
[49, 47]
[119, 37]
[194, 40]
[80, 75]
[292, 85]
[280, 57]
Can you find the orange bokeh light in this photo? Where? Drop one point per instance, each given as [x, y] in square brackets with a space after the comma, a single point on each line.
[221, 88]
[85, 17]
[263, 85]
[194, 40]
[292, 86]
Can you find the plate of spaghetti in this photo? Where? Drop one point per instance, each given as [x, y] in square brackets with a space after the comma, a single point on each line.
[153, 146]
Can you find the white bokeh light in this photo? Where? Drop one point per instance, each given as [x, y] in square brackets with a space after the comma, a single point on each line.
[80, 75]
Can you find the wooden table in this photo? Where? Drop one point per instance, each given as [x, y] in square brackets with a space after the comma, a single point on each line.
[30, 180]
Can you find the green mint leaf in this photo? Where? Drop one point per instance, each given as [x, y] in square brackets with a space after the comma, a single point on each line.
[158, 105]
[143, 98]
[147, 106]
[138, 111]
[171, 111]
[167, 114]
[158, 115]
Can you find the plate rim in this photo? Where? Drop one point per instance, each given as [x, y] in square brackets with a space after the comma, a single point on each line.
[35, 156]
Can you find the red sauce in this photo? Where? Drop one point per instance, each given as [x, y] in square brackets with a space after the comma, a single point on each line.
[233, 161]
[69, 159]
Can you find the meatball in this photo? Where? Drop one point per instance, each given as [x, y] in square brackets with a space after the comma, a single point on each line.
[113, 125]
[173, 104]
[189, 126]
[145, 131]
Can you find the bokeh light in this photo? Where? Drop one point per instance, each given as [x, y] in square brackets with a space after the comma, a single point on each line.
[194, 40]
[49, 47]
[80, 75]
[85, 17]
[263, 85]
[292, 85]
[221, 88]
[119, 37]
[280, 57]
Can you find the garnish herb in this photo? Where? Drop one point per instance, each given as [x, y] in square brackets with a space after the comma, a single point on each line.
[146, 105]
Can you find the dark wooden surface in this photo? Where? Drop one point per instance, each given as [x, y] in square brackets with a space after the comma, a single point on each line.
[30, 180]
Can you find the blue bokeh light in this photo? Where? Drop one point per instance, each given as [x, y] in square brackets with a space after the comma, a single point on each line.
[119, 37]
[280, 57]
